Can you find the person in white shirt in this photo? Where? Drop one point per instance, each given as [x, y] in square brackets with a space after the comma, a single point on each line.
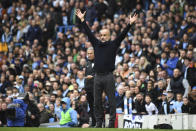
[150, 107]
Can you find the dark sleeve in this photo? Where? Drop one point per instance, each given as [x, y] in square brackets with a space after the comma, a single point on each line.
[90, 35]
[122, 35]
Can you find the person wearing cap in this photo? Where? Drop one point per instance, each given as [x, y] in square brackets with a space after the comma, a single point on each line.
[164, 107]
[68, 115]
[105, 54]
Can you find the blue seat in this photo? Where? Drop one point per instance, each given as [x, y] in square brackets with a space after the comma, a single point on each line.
[18, 44]
[64, 29]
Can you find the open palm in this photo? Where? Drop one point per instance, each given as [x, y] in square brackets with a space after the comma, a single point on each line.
[133, 18]
[80, 14]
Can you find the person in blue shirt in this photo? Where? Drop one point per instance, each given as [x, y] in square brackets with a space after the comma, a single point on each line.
[171, 63]
[178, 104]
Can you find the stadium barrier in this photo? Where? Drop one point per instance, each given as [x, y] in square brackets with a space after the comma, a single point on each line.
[177, 121]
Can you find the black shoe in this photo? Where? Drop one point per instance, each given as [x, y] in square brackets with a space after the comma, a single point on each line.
[92, 125]
[98, 125]
[111, 124]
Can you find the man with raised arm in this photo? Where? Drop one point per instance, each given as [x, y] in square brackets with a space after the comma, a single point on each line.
[105, 54]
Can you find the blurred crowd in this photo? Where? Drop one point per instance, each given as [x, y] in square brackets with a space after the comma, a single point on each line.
[155, 65]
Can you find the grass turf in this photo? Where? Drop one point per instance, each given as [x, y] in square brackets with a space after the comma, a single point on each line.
[74, 129]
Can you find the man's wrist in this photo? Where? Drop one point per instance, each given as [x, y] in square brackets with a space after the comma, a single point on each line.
[82, 19]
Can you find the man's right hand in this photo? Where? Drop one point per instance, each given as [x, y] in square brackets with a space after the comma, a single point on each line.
[80, 14]
[89, 77]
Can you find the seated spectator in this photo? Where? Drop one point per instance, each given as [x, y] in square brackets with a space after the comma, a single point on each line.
[51, 113]
[33, 114]
[171, 101]
[128, 103]
[3, 117]
[82, 110]
[192, 99]
[57, 109]
[44, 116]
[140, 104]
[186, 108]
[119, 98]
[178, 103]
[164, 107]
[144, 64]
[150, 107]
[68, 115]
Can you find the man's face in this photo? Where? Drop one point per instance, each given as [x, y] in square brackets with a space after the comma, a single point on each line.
[40, 107]
[176, 73]
[90, 54]
[105, 35]
[172, 55]
[64, 105]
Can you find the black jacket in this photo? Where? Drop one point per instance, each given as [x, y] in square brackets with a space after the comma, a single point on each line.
[186, 108]
[32, 109]
[89, 71]
[105, 52]
[139, 106]
[3, 118]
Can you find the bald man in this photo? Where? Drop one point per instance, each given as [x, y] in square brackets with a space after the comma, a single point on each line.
[104, 64]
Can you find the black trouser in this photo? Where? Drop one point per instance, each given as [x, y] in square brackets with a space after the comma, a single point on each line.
[104, 82]
[90, 99]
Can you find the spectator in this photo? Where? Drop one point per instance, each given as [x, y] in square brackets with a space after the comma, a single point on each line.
[178, 84]
[44, 116]
[150, 107]
[164, 108]
[128, 103]
[90, 12]
[51, 113]
[192, 98]
[80, 80]
[33, 114]
[82, 110]
[3, 117]
[178, 103]
[119, 95]
[189, 72]
[68, 115]
[34, 32]
[186, 108]
[171, 63]
[140, 104]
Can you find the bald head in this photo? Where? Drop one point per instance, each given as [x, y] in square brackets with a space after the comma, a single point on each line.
[105, 35]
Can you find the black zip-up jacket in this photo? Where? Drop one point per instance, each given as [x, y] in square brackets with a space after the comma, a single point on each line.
[89, 71]
[105, 52]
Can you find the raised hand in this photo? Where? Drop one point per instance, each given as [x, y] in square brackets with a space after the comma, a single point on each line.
[133, 18]
[80, 14]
